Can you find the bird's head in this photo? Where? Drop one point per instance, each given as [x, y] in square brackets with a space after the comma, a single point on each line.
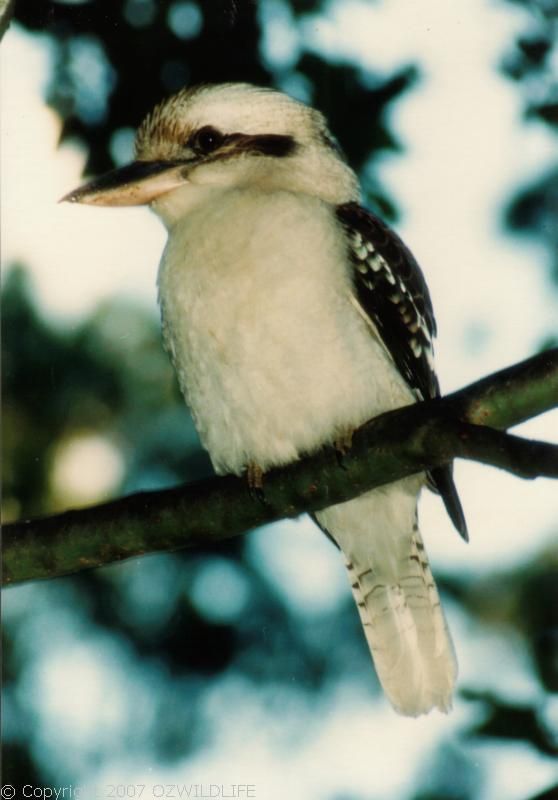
[225, 136]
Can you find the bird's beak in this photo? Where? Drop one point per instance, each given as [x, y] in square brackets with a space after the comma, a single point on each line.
[136, 184]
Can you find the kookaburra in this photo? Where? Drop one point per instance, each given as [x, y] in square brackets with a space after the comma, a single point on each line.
[292, 316]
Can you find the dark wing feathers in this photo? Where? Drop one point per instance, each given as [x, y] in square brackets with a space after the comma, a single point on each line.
[391, 290]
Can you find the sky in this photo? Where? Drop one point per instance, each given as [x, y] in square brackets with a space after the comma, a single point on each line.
[465, 151]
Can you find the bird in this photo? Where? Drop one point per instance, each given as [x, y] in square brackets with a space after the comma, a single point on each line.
[292, 316]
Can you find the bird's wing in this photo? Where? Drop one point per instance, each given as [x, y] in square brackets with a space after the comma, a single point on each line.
[391, 291]
[390, 287]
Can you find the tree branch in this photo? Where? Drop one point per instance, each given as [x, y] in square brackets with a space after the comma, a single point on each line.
[467, 424]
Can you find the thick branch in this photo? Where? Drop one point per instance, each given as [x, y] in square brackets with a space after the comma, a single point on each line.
[387, 448]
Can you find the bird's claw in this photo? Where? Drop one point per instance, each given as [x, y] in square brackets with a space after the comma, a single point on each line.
[255, 480]
[343, 443]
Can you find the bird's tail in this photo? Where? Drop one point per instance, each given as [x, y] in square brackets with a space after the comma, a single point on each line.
[396, 597]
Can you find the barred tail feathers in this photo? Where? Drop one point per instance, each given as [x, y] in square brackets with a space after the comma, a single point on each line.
[396, 598]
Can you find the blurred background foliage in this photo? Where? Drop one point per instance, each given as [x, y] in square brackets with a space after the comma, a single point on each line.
[191, 634]
[531, 63]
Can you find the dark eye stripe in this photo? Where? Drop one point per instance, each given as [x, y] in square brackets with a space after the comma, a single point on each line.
[208, 140]
[261, 144]
[271, 144]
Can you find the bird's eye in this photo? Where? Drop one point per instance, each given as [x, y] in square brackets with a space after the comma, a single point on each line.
[206, 140]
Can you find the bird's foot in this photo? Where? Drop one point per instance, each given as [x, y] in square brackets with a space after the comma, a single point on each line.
[255, 480]
[343, 443]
